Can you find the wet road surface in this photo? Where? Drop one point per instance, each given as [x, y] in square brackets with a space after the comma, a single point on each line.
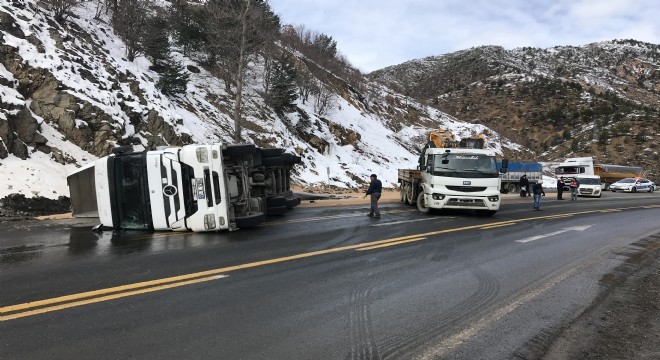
[316, 283]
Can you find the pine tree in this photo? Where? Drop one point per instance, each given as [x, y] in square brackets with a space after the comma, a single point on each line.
[173, 79]
[283, 90]
[156, 42]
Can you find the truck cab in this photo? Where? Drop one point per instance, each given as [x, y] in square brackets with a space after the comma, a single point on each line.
[459, 178]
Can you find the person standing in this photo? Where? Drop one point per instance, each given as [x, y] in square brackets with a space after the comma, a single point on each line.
[375, 190]
[524, 185]
[560, 188]
[575, 184]
[537, 189]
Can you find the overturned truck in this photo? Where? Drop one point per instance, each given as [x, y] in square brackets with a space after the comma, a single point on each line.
[194, 187]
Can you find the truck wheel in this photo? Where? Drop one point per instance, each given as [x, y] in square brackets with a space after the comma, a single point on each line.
[410, 196]
[651, 189]
[276, 210]
[485, 212]
[275, 201]
[251, 220]
[272, 152]
[421, 204]
[291, 203]
[239, 150]
[291, 159]
[634, 189]
[512, 188]
[272, 161]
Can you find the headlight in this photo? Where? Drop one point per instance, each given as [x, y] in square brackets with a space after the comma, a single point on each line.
[202, 155]
[495, 198]
[438, 196]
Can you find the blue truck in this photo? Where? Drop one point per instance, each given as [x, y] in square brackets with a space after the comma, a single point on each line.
[511, 179]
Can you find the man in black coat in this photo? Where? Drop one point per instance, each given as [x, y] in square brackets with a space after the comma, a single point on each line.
[375, 190]
[524, 185]
[560, 188]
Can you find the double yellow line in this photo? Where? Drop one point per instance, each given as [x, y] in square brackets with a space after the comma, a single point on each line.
[63, 302]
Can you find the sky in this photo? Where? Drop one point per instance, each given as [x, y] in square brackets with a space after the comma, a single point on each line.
[373, 34]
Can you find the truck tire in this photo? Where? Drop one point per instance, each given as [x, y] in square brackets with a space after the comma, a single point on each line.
[634, 189]
[275, 201]
[512, 188]
[651, 189]
[239, 150]
[421, 204]
[275, 210]
[271, 152]
[291, 203]
[410, 195]
[272, 161]
[485, 212]
[291, 159]
[251, 220]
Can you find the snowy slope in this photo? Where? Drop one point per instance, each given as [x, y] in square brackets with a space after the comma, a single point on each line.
[93, 69]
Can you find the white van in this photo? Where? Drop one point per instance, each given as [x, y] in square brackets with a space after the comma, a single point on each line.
[590, 185]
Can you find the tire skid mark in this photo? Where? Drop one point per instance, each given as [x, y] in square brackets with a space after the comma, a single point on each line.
[363, 345]
[404, 345]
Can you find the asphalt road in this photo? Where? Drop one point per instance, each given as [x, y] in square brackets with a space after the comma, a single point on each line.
[323, 283]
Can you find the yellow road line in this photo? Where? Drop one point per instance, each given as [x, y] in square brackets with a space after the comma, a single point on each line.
[390, 244]
[105, 298]
[497, 226]
[186, 277]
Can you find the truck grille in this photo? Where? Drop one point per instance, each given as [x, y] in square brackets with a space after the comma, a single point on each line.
[466, 188]
[466, 202]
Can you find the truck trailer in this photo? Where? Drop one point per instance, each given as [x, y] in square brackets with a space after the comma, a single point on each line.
[194, 187]
[515, 170]
[609, 174]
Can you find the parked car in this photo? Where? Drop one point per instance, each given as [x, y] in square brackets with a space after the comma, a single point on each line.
[589, 186]
[633, 185]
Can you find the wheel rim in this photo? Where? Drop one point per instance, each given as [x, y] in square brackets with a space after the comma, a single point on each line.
[410, 193]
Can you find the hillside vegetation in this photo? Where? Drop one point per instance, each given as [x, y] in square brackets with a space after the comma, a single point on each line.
[79, 78]
[600, 100]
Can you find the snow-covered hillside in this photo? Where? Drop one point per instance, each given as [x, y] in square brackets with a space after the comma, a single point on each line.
[69, 95]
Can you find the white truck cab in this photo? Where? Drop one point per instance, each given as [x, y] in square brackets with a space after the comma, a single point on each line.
[460, 178]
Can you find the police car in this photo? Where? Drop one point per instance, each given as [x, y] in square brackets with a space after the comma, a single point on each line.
[633, 185]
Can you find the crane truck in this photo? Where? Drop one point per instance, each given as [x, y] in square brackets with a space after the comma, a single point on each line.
[453, 175]
[194, 187]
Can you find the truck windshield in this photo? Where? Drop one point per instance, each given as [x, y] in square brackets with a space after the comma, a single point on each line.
[131, 199]
[589, 181]
[562, 170]
[465, 165]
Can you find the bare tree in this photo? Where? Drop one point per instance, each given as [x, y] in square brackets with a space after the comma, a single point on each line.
[237, 31]
[324, 99]
[61, 8]
[129, 21]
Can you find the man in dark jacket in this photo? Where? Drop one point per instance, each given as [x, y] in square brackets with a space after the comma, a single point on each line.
[375, 188]
[524, 185]
[560, 188]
